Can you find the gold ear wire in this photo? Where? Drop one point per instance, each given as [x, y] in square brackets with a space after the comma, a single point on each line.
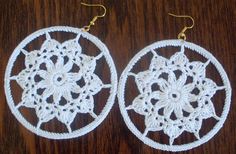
[92, 22]
[182, 35]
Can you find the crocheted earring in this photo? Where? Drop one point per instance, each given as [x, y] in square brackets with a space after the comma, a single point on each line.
[174, 95]
[59, 82]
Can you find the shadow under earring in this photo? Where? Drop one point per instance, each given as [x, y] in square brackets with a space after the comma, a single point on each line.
[59, 83]
[174, 95]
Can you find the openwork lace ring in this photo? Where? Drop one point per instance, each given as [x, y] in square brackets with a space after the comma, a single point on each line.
[195, 48]
[105, 110]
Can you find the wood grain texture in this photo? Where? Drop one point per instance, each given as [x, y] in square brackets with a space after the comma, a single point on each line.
[128, 27]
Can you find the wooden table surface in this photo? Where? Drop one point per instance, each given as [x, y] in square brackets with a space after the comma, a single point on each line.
[127, 28]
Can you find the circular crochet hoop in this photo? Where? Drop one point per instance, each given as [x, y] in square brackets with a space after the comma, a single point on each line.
[143, 80]
[68, 47]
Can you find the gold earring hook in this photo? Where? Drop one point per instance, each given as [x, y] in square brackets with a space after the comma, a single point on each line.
[182, 35]
[92, 22]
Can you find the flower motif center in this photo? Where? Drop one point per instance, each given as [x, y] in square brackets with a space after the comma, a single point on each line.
[174, 96]
[59, 79]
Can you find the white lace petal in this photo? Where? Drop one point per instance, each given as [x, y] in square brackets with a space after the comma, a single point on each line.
[74, 76]
[192, 97]
[49, 45]
[207, 87]
[168, 110]
[28, 99]
[42, 73]
[178, 59]
[87, 64]
[189, 87]
[157, 62]
[66, 116]
[163, 84]
[208, 110]
[160, 104]
[72, 46]
[94, 84]
[67, 95]
[173, 132]
[85, 104]
[67, 67]
[154, 123]
[194, 126]
[47, 92]
[49, 66]
[155, 95]
[171, 78]
[197, 69]
[141, 105]
[76, 89]
[188, 108]
[31, 58]
[181, 80]
[22, 77]
[143, 79]
[57, 97]
[42, 84]
[45, 112]
[59, 63]
[178, 112]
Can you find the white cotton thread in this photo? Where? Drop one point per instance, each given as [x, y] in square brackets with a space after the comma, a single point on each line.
[174, 95]
[57, 80]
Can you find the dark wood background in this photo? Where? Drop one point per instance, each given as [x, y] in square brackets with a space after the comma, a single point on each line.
[128, 27]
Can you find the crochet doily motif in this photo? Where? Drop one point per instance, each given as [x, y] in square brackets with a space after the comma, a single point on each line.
[174, 95]
[53, 88]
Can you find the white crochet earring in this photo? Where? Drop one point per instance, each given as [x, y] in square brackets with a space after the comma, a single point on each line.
[174, 95]
[59, 82]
